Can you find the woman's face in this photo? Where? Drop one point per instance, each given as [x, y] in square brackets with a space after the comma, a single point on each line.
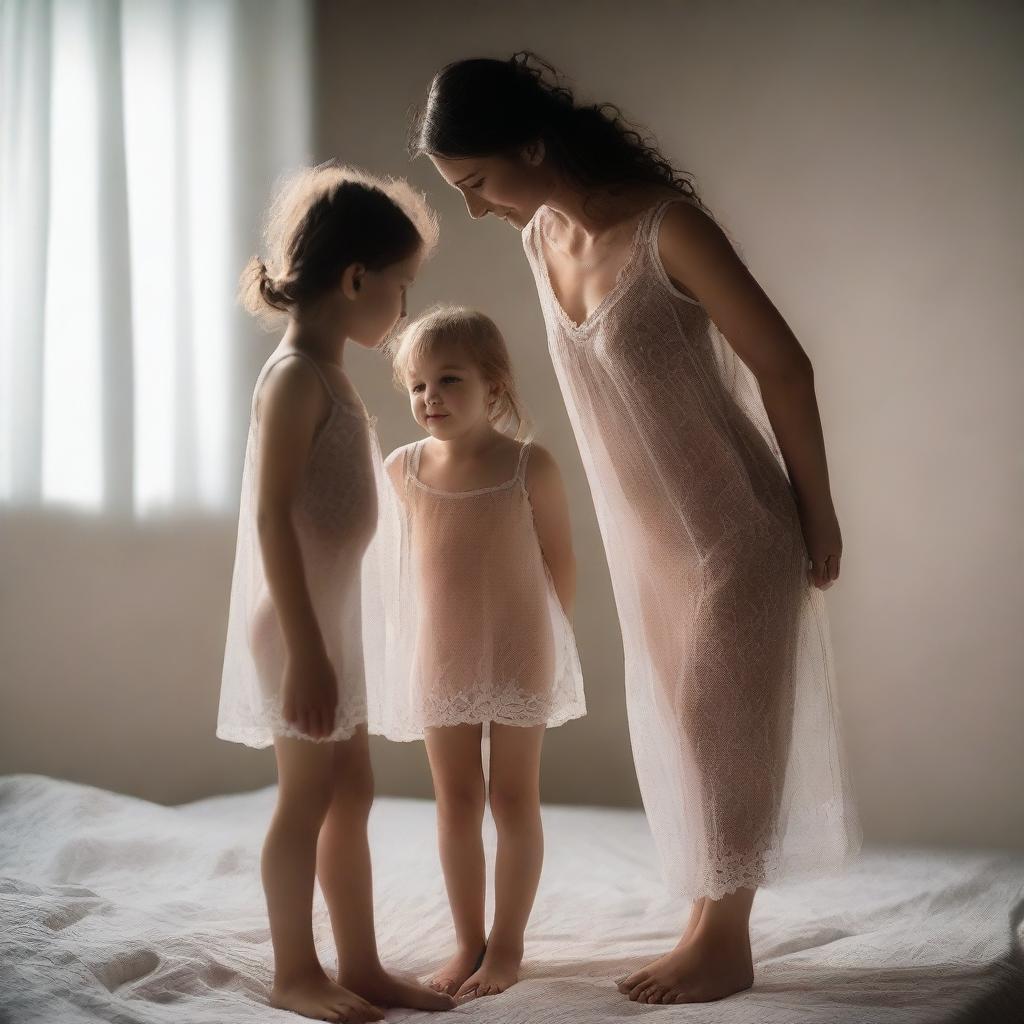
[509, 187]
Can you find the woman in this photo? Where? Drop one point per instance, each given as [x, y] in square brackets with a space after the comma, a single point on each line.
[711, 487]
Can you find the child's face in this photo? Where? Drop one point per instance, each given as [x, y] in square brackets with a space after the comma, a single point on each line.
[447, 392]
[378, 300]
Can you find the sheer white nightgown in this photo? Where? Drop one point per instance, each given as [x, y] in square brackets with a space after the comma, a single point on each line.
[335, 517]
[728, 662]
[472, 630]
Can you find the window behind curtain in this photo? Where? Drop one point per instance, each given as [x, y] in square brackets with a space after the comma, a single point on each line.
[139, 144]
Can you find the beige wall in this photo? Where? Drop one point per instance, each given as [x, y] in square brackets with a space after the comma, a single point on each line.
[868, 158]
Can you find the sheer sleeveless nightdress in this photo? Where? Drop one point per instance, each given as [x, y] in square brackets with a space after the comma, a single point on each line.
[476, 632]
[728, 661]
[335, 517]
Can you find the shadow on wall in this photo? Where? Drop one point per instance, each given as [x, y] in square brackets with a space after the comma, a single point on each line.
[112, 635]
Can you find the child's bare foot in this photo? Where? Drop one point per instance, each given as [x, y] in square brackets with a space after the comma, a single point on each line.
[384, 989]
[499, 971]
[706, 968]
[450, 977]
[318, 997]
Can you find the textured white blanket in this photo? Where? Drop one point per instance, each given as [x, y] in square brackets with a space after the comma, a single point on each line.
[119, 910]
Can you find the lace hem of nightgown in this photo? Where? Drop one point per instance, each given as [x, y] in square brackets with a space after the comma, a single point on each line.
[730, 870]
[502, 705]
[265, 725]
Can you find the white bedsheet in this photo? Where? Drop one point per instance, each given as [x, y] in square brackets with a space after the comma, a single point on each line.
[116, 909]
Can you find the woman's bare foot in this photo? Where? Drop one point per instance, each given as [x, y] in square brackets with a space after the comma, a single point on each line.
[318, 997]
[709, 966]
[451, 976]
[384, 989]
[691, 927]
[498, 971]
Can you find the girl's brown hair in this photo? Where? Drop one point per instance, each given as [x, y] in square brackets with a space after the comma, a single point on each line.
[323, 219]
[479, 337]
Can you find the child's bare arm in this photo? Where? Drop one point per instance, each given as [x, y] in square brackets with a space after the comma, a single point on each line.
[394, 466]
[291, 404]
[551, 518]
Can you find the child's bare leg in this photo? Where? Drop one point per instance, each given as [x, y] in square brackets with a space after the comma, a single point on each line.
[288, 867]
[454, 755]
[515, 804]
[713, 963]
[346, 878]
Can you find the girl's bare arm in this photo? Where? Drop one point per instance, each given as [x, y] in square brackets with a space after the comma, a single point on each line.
[551, 519]
[291, 405]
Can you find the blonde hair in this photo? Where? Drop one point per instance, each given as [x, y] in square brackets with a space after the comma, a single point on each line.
[479, 337]
[321, 220]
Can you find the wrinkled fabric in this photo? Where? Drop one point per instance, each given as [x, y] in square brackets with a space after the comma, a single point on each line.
[115, 909]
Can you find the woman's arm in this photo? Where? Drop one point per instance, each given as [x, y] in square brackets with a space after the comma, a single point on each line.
[699, 260]
[292, 403]
[551, 519]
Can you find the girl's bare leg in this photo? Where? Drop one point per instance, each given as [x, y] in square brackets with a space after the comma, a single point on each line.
[346, 878]
[515, 804]
[714, 962]
[288, 866]
[454, 755]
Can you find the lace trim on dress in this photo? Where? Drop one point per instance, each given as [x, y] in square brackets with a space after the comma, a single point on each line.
[412, 466]
[268, 722]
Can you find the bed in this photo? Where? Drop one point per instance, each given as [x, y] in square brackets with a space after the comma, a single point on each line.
[115, 909]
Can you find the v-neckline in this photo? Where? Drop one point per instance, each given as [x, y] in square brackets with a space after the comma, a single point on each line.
[620, 277]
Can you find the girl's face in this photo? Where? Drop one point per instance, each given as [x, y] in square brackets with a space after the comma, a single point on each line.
[448, 394]
[509, 187]
[378, 298]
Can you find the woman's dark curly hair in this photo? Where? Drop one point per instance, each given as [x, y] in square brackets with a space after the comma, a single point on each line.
[484, 107]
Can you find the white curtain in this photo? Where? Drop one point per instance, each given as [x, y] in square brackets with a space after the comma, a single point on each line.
[138, 143]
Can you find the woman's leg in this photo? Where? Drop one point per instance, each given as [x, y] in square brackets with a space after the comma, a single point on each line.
[454, 755]
[731, 697]
[515, 804]
[346, 878]
[288, 866]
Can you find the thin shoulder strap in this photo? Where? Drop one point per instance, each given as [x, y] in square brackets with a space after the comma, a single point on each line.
[529, 235]
[412, 461]
[657, 215]
[312, 362]
[524, 454]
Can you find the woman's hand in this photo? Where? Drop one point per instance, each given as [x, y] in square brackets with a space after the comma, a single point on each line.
[824, 545]
[310, 693]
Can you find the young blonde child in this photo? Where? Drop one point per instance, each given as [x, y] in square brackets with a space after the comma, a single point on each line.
[480, 634]
[343, 249]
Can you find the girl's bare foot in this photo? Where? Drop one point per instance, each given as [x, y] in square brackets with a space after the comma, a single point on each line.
[499, 971]
[709, 966]
[384, 989]
[451, 976]
[318, 997]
